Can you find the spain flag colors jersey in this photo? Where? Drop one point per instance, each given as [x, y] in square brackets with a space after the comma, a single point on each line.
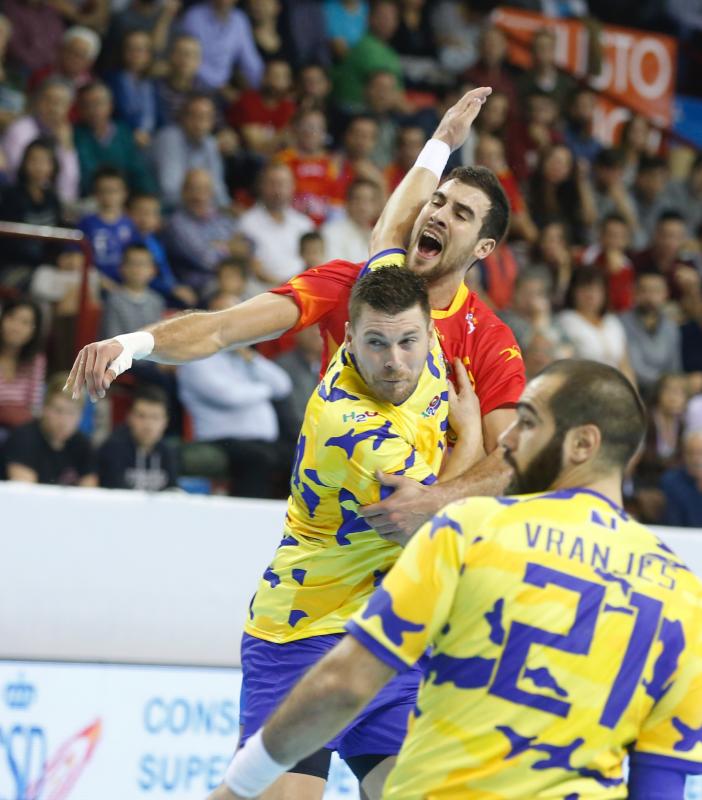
[468, 330]
[564, 633]
[329, 561]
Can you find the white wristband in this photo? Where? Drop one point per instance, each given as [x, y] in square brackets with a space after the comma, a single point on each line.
[252, 770]
[134, 346]
[434, 156]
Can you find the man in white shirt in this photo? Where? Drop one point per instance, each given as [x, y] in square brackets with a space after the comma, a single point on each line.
[275, 227]
[349, 236]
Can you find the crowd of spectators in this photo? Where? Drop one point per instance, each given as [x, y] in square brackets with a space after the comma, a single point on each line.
[209, 150]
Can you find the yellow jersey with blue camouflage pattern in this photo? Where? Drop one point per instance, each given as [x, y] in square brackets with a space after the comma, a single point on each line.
[564, 633]
[330, 561]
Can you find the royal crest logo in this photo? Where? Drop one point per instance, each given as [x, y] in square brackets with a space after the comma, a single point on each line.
[471, 321]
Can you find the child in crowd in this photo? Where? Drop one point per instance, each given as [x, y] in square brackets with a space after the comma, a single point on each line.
[145, 212]
[58, 289]
[133, 305]
[109, 230]
[312, 249]
[232, 275]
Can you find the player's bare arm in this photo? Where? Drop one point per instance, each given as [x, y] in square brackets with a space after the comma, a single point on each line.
[187, 337]
[330, 695]
[400, 212]
[412, 504]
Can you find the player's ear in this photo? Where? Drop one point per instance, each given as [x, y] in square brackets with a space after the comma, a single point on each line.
[348, 335]
[484, 248]
[582, 444]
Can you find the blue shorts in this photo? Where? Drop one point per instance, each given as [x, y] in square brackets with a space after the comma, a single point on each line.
[271, 670]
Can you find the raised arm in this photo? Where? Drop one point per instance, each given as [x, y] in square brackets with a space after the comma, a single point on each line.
[395, 224]
[183, 338]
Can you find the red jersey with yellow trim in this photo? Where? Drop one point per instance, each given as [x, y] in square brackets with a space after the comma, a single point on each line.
[316, 183]
[468, 330]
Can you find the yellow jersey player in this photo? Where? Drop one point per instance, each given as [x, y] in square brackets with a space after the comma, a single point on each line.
[565, 634]
[382, 404]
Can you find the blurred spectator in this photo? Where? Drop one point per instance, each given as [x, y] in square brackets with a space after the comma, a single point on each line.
[683, 486]
[611, 193]
[539, 351]
[132, 305]
[635, 144]
[457, 28]
[197, 235]
[415, 44]
[50, 106]
[133, 90]
[109, 230]
[579, 124]
[135, 456]
[540, 129]
[593, 331]
[372, 53]
[22, 364]
[232, 278]
[227, 42]
[544, 74]
[552, 251]
[266, 27]
[32, 199]
[156, 19]
[667, 253]
[187, 145]
[274, 226]
[11, 94]
[180, 80]
[79, 49]
[37, 29]
[229, 397]
[346, 22]
[384, 102]
[355, 158]
[313, 168]
[686, 195]
[650, 198]
[610, 254]
[145, 212]
[58, 289]
[93, 14]
[490, 153]
[662, 445]
[50, 449]
[313, 87]
[493, 121]
[303, 23]
[348, 237]
[492, 68]
[498, 273]
[531, 313]
[408, 145]
[312, 250]
[653, 340]
[102, 142]
[560, 189]
[302, 364]
[263, 117]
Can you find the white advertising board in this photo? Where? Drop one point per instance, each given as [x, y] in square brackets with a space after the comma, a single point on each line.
[118, 732]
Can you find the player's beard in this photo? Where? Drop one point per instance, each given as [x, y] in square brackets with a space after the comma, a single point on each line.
[541, 472]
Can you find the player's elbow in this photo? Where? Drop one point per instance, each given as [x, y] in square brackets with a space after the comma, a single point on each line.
[342, 690]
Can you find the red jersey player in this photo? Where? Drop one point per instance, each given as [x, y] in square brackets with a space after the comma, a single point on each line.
[448, 228]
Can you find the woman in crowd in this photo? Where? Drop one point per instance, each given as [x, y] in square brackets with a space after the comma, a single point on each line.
[594, 333]
[22, 365]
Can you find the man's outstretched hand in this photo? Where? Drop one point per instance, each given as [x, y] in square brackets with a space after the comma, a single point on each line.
[456, 123]
[91, 369]
[397, 517]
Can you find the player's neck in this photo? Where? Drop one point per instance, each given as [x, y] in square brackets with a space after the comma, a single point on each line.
[608, 484]
[442, 292]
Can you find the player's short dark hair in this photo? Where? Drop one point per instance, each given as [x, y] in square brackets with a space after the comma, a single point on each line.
[497, 218]
[391, 290]
[148, 393]
[592, 393]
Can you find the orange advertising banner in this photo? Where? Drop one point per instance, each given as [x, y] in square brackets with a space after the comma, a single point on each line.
[638, 67]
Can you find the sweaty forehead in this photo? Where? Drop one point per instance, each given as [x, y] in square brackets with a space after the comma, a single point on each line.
[457, 191]
[390, 324]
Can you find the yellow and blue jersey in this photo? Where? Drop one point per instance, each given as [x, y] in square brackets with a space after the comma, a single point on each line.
[564, 635]
[330, 561]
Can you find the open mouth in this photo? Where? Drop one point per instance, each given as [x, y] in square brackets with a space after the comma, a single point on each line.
[429, 245]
